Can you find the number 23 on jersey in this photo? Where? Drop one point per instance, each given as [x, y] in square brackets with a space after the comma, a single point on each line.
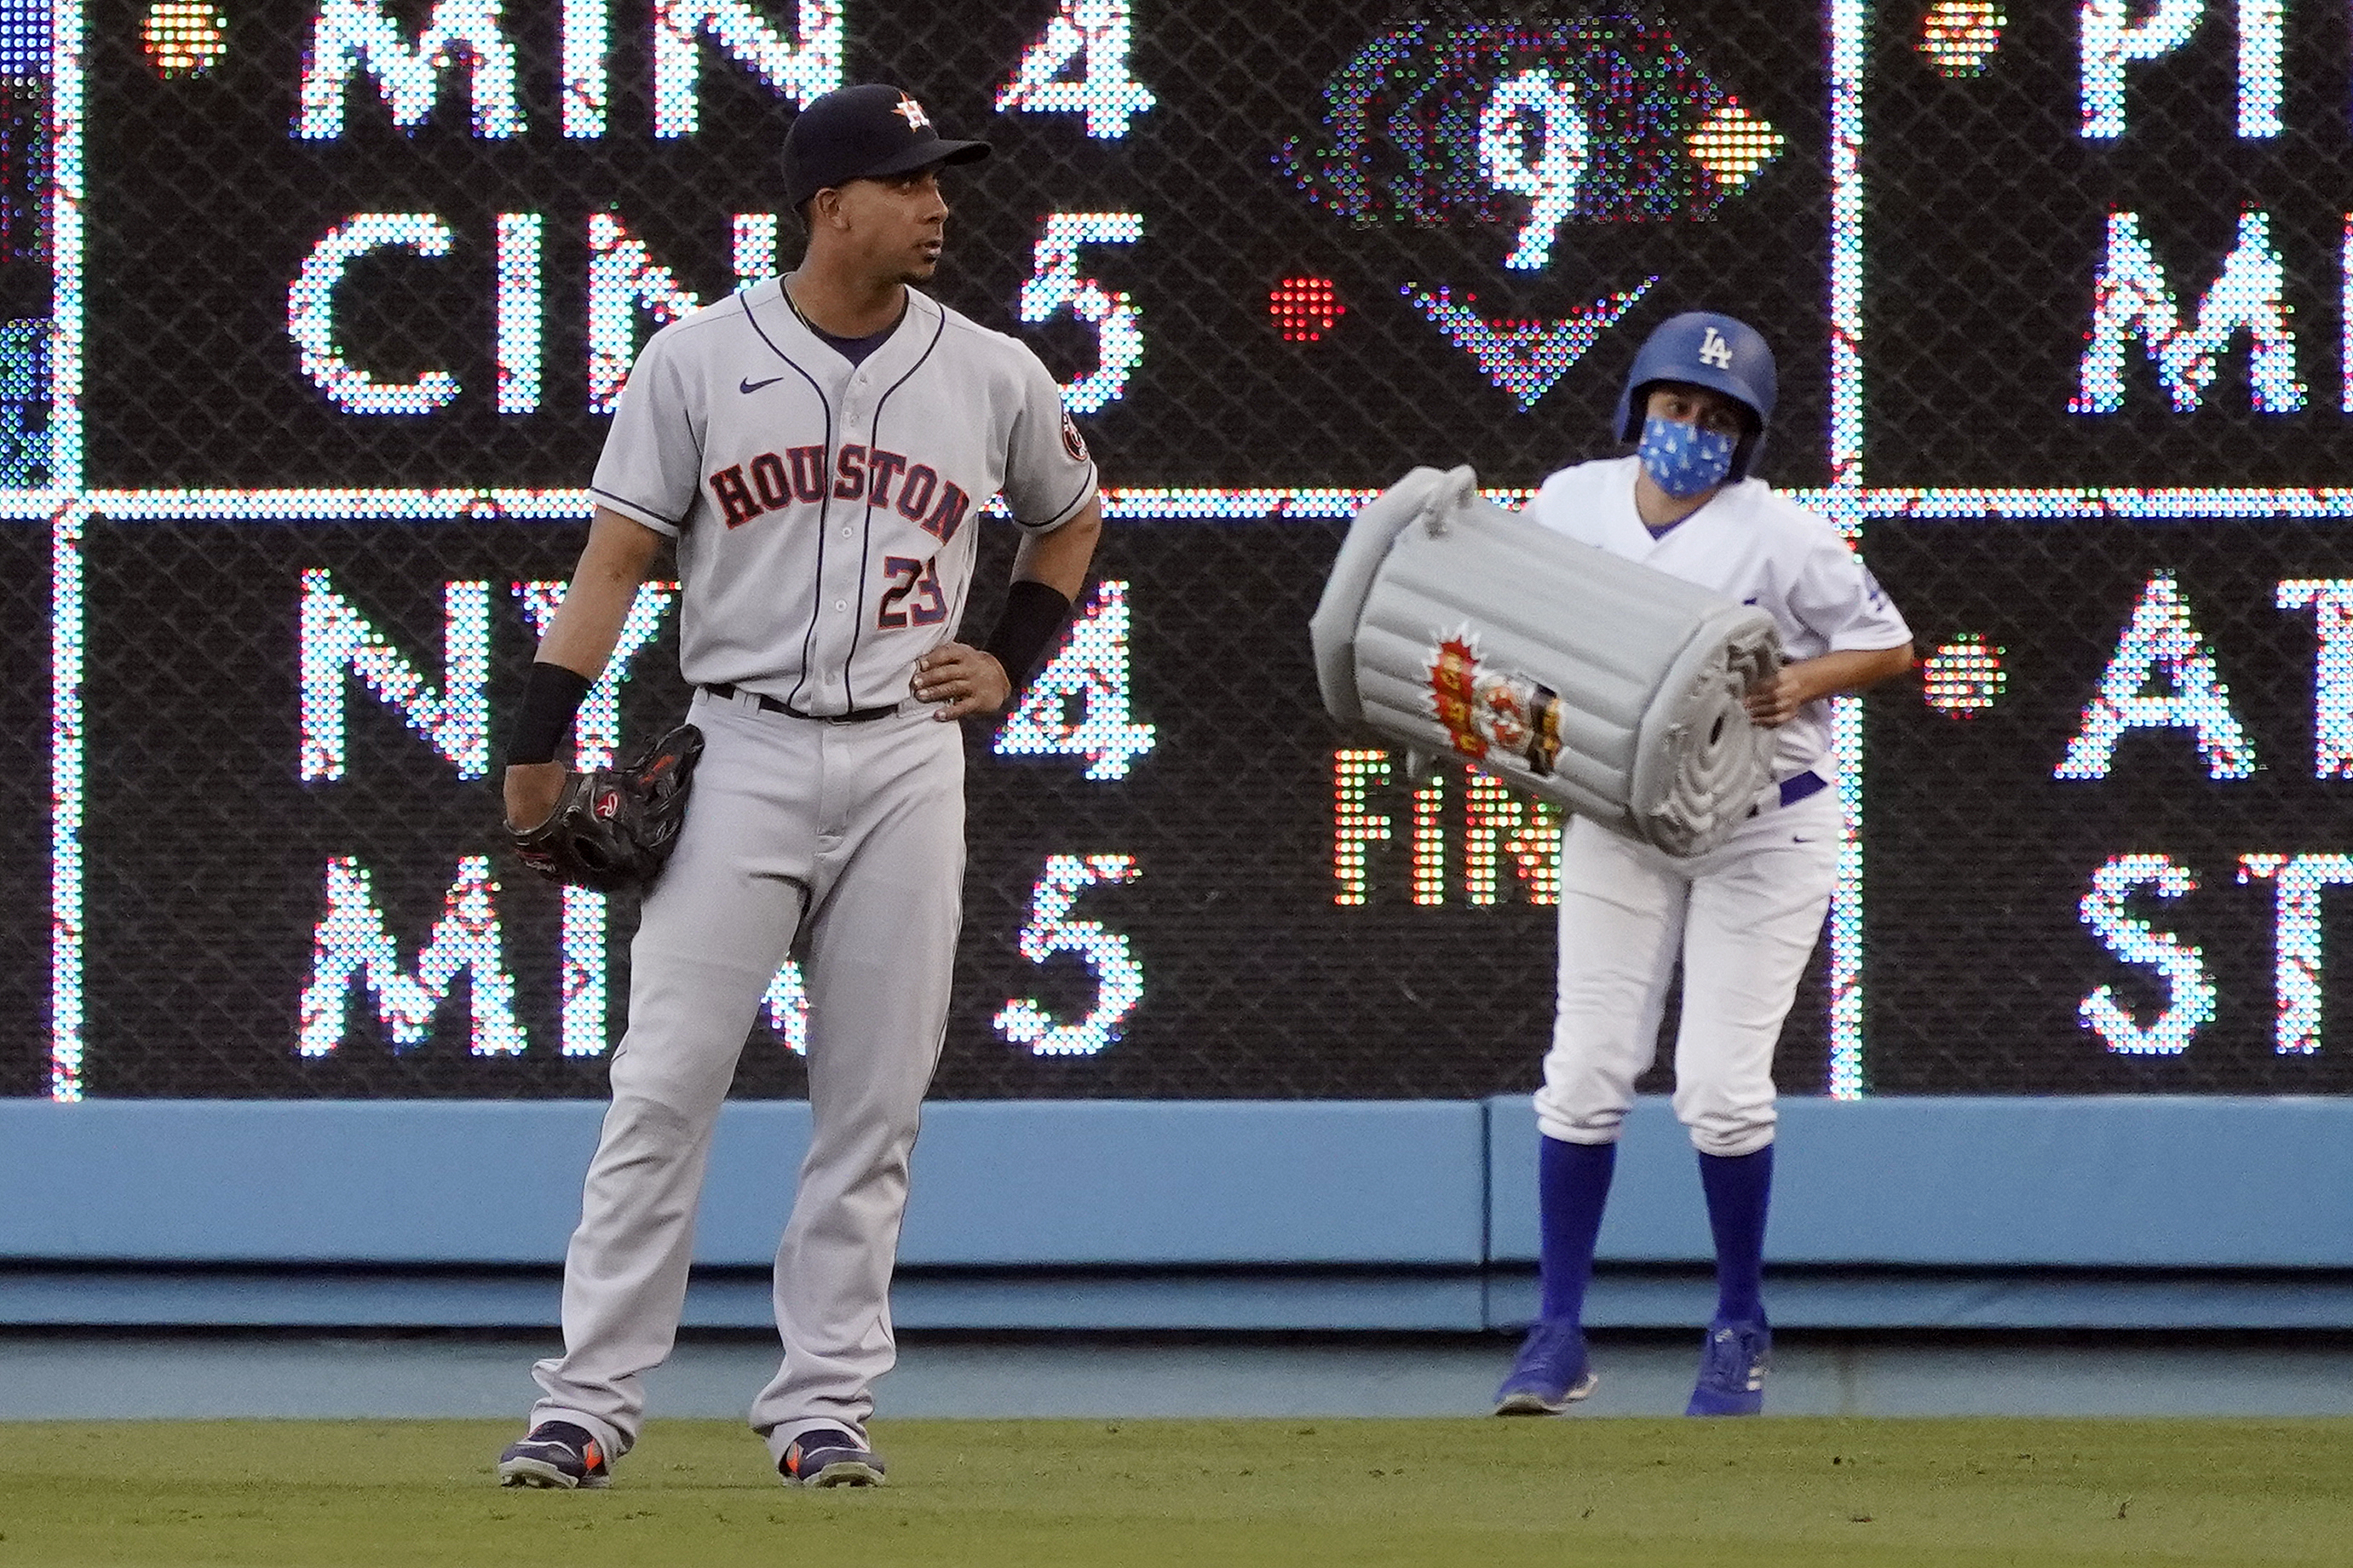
[908, 575]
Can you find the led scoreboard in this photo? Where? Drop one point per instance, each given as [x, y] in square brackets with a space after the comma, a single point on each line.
[2110, 303]
[316, 312]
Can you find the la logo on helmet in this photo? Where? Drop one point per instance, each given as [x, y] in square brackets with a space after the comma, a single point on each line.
[1715, 351]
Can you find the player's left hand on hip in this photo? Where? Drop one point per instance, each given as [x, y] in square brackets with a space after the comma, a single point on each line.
[965, 681]
[1773, 700]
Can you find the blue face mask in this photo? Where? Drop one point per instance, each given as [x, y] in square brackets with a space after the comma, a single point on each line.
[1683, 459]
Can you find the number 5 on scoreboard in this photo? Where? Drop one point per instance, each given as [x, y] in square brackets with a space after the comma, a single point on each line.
[1119, 977]
[909, 575]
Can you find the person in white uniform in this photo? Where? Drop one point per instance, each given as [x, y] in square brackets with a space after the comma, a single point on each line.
[819, 448]
[1742, 918]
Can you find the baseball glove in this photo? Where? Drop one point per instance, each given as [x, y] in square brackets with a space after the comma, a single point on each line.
[613, 827]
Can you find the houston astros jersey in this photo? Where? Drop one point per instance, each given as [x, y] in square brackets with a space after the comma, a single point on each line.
[1752, 545]
[826, 512]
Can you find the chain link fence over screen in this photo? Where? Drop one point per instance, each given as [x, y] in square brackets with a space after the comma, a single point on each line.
[317, 310]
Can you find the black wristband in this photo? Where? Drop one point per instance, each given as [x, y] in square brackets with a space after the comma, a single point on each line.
[1026, 630]
[550, 698]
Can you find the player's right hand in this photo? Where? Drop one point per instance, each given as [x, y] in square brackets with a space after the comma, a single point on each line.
[531, 789]
[965, 679]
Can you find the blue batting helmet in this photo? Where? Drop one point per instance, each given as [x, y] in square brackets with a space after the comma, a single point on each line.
[1700, 348]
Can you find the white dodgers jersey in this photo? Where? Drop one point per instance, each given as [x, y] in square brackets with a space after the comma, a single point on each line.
[826, 512]
[1752, 545]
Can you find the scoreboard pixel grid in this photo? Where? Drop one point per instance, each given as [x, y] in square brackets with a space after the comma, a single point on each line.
[1081, 64]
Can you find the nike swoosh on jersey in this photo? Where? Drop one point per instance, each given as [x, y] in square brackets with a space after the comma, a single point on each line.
[747, 385]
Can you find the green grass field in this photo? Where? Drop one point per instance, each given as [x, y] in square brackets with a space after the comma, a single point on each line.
[1753, 1494]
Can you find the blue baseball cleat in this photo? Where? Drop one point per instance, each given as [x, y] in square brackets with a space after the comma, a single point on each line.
[1732, 1368]
[1550, 1373]
[829, 1456]
[557, 1453]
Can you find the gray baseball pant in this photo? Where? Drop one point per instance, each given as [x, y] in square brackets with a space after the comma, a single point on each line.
[857, 830]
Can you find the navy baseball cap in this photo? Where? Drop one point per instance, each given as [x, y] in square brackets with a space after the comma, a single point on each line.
[865, 132]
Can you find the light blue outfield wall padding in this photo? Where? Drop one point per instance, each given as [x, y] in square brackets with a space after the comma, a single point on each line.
[1945, 1182]
[2161, 1182]
[287, 1181]
[1021, 1184]
[1199, 1182]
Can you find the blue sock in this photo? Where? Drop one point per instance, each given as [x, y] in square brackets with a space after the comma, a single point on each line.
[1572, 1183]
[1738, 1187]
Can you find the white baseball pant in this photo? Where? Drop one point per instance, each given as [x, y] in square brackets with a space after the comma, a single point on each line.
[858, 830]
[1743, 918]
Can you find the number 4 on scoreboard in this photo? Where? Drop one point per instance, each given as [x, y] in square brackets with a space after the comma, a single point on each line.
[1106, 94]
[1078, 706]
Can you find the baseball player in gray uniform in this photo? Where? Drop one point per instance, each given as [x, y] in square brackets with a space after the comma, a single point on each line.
[819, 448]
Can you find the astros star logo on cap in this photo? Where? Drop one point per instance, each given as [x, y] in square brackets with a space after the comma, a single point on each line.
[912, 112]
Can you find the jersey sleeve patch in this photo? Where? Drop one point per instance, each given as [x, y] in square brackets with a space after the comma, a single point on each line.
[1073, 442]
